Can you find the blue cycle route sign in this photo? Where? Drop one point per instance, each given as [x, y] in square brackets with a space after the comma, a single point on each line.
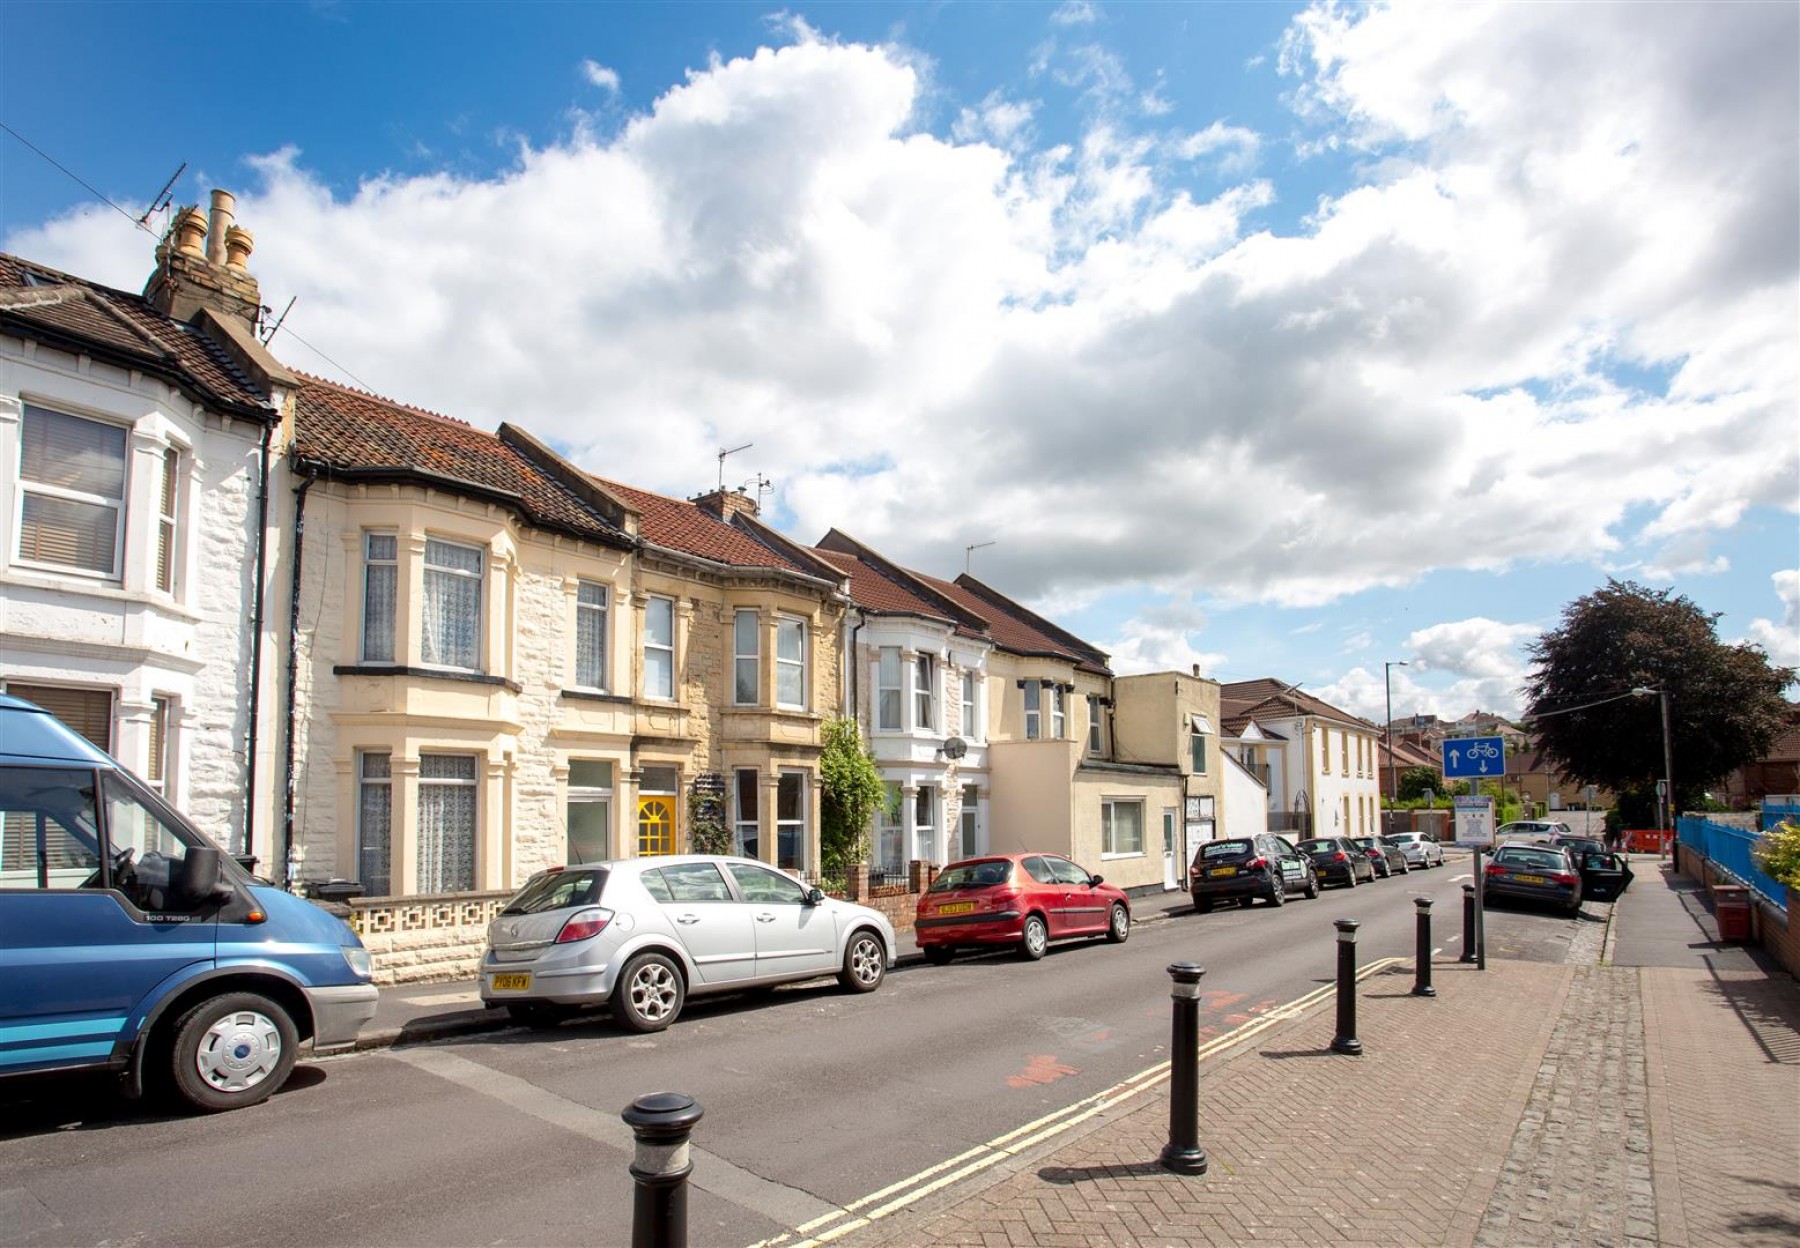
[1467, 758]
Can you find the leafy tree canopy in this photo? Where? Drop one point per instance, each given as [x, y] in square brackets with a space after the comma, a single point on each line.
[1414, 781]
[1725, 702]
[851, 793]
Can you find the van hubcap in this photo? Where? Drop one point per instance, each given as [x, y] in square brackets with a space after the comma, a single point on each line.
[239, 1051]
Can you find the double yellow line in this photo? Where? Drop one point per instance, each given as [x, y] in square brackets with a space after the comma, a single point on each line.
[908, 1191]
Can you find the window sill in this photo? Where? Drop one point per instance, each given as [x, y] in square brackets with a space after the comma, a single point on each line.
[433, 673]
[1137, 853]
[596, 695]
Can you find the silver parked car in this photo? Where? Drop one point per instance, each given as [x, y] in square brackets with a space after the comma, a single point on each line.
[1421, 848]
[641, 935]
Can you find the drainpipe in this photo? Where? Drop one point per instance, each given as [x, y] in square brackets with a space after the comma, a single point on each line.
[293, 669]
[256, 631]
[855, 629]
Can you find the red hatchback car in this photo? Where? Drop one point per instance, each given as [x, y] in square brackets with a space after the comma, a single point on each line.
[1023, 900]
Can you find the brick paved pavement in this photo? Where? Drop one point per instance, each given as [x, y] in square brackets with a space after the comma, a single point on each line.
[1581, 1104]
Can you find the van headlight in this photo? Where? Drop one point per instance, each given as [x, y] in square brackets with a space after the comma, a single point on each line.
[358, 958]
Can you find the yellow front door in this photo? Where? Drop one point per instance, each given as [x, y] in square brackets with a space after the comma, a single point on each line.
[656, 826]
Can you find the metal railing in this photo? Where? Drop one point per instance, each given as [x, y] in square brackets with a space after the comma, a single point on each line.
[1729, 849]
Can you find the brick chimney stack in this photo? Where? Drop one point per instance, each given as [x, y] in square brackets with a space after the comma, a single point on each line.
[724, 504]
[190, 276]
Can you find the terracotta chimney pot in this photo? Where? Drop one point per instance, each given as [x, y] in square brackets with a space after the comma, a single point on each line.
[190, 231]
[239, 243]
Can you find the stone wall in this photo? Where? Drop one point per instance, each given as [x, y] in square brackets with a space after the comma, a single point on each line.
[421, 940]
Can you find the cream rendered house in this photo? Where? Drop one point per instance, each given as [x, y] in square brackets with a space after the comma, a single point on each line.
[503, 664]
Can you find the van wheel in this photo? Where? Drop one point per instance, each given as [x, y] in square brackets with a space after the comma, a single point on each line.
[649, 993]
[231, 1051]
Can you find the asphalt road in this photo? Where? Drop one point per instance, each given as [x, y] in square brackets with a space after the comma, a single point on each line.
[814, 1099]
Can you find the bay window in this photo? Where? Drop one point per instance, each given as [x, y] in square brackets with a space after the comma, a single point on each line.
[1058, 712]
[790, 821]
[968, 704]
[450, 635]
[746, 650]
[1034, 715]
[590, 635]
[165, 522]
[887, 690]
[381, 576]
[746, 822]
[72, 492]
[790, 663]
[924, 707]
[374, 822]
[446, 823]
[659, 648]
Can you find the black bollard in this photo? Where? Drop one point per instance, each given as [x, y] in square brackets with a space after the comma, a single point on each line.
[661, 1123]
[1183, 1153]
[1345, 1041]
[1480, 913]
[1468, 953]
[1422, 950]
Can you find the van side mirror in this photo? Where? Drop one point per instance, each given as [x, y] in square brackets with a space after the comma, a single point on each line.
[201, 877]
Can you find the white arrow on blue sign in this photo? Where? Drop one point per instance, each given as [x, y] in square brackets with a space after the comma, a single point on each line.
[1474, 757]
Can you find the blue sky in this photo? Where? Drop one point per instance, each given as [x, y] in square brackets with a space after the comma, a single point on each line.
[1282, 339]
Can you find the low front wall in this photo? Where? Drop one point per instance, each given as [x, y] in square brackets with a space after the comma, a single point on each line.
[422, 940]
[1776, 931]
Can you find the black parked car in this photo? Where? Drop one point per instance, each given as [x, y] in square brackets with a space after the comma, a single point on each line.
[1245, 868]
[1386, 859]
[1338, 861]
[1533, 873]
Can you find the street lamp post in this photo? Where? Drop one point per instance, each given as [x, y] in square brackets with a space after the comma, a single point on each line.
[1665, 806]
[1387, 684]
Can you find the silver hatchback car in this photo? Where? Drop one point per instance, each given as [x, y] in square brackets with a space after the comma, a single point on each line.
[1421, 848]
[641, 935]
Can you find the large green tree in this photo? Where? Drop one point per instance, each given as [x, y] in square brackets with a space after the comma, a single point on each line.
[1725, 701]
[851, 793]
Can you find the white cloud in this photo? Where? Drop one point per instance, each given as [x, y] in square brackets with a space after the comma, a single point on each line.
[1478, 649]
[1781, 641]
[929, 337]
[601, 76]
[1075, 13]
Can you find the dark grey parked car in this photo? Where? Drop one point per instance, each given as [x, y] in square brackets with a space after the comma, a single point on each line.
[1338, 861]
[1386, 859]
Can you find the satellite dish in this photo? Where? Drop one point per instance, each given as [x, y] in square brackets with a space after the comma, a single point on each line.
[954, 748]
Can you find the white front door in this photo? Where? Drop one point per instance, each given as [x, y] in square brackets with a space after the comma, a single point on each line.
[1171, 860]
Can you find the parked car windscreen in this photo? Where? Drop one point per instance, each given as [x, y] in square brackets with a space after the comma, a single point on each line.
[1225, 849]
[1400, 840]
[1317, 846]
[972, 875]
[557, 890]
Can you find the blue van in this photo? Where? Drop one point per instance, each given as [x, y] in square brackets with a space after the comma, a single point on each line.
[131, 942]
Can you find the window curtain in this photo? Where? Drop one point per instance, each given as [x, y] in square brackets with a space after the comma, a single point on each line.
[452, 633]
[379, 589]
[446, 823]
[374, 826]
[590, 636]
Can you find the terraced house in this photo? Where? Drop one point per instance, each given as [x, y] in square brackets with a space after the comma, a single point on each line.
[503, 664]
[997, 731]
[137, 434]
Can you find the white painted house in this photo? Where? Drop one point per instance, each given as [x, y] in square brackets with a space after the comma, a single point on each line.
[136, 433]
